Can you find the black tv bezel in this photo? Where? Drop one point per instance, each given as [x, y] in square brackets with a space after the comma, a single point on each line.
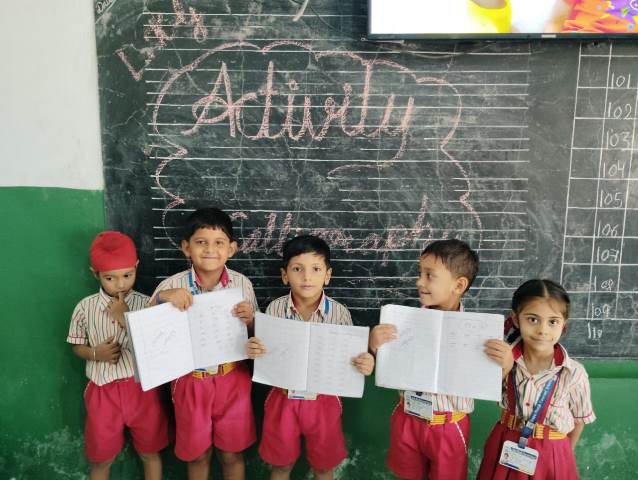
[495, 37]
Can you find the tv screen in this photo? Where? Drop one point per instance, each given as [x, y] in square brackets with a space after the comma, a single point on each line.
[398, 19]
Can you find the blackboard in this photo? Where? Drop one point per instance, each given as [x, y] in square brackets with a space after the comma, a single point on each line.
[292, 122]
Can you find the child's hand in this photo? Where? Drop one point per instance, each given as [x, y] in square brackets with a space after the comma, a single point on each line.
[244, 311]
[381, 334]
[364, 363]
[117, 307]
[501, 353]
[108, 351]
[254, 348]
[179, 297]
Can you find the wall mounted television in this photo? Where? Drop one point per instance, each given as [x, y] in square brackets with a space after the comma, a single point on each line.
[490, 19]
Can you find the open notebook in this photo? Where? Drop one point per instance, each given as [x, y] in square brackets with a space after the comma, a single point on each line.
[168, 343]
[310, 357]
[440, 352]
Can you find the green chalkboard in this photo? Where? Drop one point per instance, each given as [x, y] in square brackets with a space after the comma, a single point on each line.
[292, 125]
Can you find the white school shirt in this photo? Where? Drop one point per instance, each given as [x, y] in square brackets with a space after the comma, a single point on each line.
[92, 324]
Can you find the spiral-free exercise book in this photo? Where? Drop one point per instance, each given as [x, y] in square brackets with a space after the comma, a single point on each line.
[440, 352]
[169, 343]
[310, 357]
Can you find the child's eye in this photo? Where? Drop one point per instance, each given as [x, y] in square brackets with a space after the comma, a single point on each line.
[317, 269]
[553, 322]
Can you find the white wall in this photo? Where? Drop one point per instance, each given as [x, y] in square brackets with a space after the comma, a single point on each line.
[49, 117]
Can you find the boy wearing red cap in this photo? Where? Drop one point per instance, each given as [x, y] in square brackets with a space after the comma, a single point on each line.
[212, 405]
[112, 398]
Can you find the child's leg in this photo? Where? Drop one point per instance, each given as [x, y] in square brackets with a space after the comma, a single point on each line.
[323, 474]
[198, 469]
[152, 466]
[281, 473]
[100, 471]
[233, 467]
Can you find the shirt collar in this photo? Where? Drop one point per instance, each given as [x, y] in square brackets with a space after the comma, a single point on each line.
[323, 308]
[561, 359]
[224, 279]
[105, 298]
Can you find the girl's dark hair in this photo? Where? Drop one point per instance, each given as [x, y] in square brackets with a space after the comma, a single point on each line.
[539, 288]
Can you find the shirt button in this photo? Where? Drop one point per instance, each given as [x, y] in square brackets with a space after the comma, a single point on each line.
[527, 404]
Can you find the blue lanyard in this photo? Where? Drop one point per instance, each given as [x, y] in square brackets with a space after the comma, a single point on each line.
[191, 284]
[538, 406]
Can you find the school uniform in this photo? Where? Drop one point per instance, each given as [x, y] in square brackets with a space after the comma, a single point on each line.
[212, 405]
[318, 420]
[112, 398]
[570, 400]
[436, 448]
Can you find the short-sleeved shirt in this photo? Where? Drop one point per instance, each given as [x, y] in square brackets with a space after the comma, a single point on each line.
[189, 280]
[452, 403]
[571, 400]
[92, 324]
[327, 311]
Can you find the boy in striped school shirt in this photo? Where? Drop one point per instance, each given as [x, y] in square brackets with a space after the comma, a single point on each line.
[290, 415]
[213, 407]
[112, 398]
[435, 448]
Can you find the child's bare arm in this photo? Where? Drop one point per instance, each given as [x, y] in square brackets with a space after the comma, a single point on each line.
[381, 334]
[501, 353]
[179, 297]
[574, 435]
[364, 363]
[255, 348]
[107, 351]
[562, 9]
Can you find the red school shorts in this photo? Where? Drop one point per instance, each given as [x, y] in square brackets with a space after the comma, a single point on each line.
[120, 404]
[555, 457]
[418, 449]
[213, 410]
[318, 421]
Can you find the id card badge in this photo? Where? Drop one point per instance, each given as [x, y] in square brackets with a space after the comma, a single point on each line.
[418, 404]
[301, 395]
[520, 459]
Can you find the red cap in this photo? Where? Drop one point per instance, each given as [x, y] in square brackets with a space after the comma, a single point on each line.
[112, 251]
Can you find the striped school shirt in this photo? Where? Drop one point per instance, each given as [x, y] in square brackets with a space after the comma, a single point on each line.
[451, 403]
[571, 400]
[92, 324]
[229, 279]
[328, 311]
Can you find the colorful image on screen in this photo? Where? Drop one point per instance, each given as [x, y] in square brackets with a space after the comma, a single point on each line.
[533, 17]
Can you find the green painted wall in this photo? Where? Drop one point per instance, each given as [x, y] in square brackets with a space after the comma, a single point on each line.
[45, 236]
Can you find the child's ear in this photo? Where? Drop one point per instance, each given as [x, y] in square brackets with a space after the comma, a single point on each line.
[514, 318]
[461, 285]
[95, 274]
[185, 248]
[284, 276]
[328, 276]
[233, 248]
